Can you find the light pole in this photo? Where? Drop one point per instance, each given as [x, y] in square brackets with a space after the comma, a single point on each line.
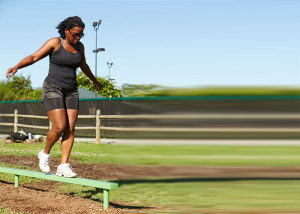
[96, 27]
[109, 64]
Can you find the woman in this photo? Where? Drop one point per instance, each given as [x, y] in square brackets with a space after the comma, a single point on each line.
[60, 94]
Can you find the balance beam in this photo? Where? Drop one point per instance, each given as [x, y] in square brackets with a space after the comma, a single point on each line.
[106, 186]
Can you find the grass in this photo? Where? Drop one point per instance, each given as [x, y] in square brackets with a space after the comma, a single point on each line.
[189, 193]
[210, 155]
[22, 179]
[170, 155]
[5, 211]
[197, 194]
[87, 152]
[216, 195]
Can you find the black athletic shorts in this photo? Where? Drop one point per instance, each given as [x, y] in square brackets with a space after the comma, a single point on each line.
[54, 97]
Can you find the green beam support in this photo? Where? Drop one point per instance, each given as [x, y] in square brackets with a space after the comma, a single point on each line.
[105, 199]
[106, 186]
[52, 177]
[16, 181]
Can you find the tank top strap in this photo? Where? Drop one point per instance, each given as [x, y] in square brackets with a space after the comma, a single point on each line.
[61, 41]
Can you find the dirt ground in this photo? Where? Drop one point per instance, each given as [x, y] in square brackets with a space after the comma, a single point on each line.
[43, 197]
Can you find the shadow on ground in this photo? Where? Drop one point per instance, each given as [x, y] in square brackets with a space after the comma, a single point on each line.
[190, 180]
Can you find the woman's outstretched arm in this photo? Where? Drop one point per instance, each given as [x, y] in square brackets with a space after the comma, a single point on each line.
[87, 71]
[44, 51]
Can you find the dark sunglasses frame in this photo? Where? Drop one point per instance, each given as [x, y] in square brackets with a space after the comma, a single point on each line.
[76, 34]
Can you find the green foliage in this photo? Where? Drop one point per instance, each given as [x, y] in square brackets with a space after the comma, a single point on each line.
[229, 91]
[17, 83]
[19, 87]
[109, 89]
[31, 95]
[3, 90]
[131, 90]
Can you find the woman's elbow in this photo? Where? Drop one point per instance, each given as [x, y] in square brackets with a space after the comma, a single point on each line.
[34, 59]
[84, 66]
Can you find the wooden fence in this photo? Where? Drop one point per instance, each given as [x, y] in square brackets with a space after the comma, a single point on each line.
[98, 117]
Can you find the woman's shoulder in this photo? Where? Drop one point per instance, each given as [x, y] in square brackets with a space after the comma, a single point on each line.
[53, 43]
[54, 40]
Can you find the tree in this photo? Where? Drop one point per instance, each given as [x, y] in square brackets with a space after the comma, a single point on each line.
[17, 83]
[19, 87]
[3, 90]
[109, 89]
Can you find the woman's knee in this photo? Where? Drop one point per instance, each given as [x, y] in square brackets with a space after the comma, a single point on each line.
[60, 128]
[71, 127]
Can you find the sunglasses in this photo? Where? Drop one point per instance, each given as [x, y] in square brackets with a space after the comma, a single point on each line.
[80, 35]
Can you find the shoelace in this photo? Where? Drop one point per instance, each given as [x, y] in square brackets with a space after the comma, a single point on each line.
[70, 167]
[47, 161]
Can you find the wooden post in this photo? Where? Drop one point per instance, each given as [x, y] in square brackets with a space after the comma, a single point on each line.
[50, 125]
[98, 126]
[16, 121]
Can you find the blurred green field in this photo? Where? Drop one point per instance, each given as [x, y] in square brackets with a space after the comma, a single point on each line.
[162, 91]
[224, 91]
[184, 195]
[210, 155]
[169, 155]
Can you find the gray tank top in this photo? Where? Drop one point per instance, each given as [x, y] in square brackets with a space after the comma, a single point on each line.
[63, 65]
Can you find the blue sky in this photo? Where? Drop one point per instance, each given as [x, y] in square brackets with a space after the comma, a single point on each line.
[171, 43]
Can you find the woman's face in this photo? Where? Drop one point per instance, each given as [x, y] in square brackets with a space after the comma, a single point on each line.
[74, 35]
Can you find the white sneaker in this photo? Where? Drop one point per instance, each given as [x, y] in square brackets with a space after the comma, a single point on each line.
[66, 170]
[44, 161]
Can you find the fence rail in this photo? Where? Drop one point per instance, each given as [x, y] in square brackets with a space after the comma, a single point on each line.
[205, 116]
[98, 117]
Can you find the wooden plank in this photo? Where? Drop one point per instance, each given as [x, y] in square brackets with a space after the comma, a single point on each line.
[85, 128]
[6, 115]
[192, 116]
[87, 116]
[98, 126]
[6, 124]
[203, 129]
[50, 125]
[52, 177]
[205, 116]
[16, 120]
[32, 126]
[32, 116]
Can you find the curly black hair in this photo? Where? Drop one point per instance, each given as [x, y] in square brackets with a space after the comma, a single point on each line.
[69, 23]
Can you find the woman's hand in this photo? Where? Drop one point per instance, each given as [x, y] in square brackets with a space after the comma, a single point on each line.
[12, 71]
[98, 86]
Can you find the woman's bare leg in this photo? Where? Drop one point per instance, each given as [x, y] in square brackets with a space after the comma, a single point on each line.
[68, 136]
[58, 117]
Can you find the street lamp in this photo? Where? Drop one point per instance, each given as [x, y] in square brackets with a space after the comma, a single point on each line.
[96, 27]
[109, 64]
